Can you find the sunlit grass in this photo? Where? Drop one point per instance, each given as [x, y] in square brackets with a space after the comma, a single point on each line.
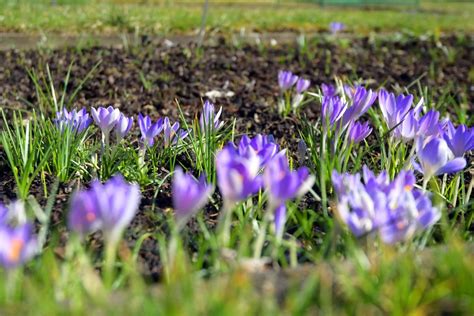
[166, 18]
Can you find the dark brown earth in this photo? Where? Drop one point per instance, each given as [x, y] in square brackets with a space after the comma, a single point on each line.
[150, 78]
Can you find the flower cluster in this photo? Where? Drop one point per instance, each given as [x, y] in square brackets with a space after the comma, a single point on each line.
[109, 207]
[18, 243]
[439, 145]
[110, 119]
[171, 132]
[239, 176]
[286, 81]
[394, 209]
[341, 112]
[436, 158]
[405, 122]
[77, 121]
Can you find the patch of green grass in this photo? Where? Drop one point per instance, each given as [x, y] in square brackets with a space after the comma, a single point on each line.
[166, 18]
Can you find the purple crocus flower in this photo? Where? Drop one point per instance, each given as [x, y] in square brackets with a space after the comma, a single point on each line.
[405, 121]
[286, 79]
[396, 210]
[394, 109]
[381, 180]
[17, 245]
[332, 110]
[430, 125]
[435, 158]
[336, 27]
[359, 131]
[350, 91]
[402, 222]
[237, 175]
[302, 85]
[84, 215]
[208, 115]
[283, 184]
[109, 207]
[123, 127]
[460, 139]
[149, 131]
[77, 121]
[189, 195]
[105, 118]
[263, 146]
[171, 133]
[408, 128]
[328, 90]
[361, 101]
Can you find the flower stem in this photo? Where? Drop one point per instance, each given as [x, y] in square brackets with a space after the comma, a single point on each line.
[11, 283]
[456, 191]
[257, 253]
[225, 222]
[469, 191]
[322, 173]
[141, 157]
[109, 263]
[425, 183]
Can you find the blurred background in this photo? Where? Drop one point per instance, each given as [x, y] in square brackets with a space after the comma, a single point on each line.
[165, 17]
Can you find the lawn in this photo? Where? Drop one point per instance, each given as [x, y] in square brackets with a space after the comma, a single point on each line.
[166, 18]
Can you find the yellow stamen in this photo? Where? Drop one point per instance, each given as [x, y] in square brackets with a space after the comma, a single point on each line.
[15, 250]
[90, 217]
[401, 224]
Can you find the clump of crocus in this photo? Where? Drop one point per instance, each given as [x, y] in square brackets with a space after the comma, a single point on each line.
[209, 119]
[405, 122]
[360, 100]
[106, 119]
[283, 184]
[262, 145]
[189, 195]
[18, 243]
[237, 175]
[357, 132]
[76, 121]
[237, 178]
[394, 109]
[336, 27]
[460, 140]
[123, 126]
[109, 207]
[341, 111]
[394, 209]
[332, 110]
[435, 158]
[286, 81]
[148, 129]
[172, 133]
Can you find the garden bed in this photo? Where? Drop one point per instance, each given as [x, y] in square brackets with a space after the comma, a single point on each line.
[160, 80]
